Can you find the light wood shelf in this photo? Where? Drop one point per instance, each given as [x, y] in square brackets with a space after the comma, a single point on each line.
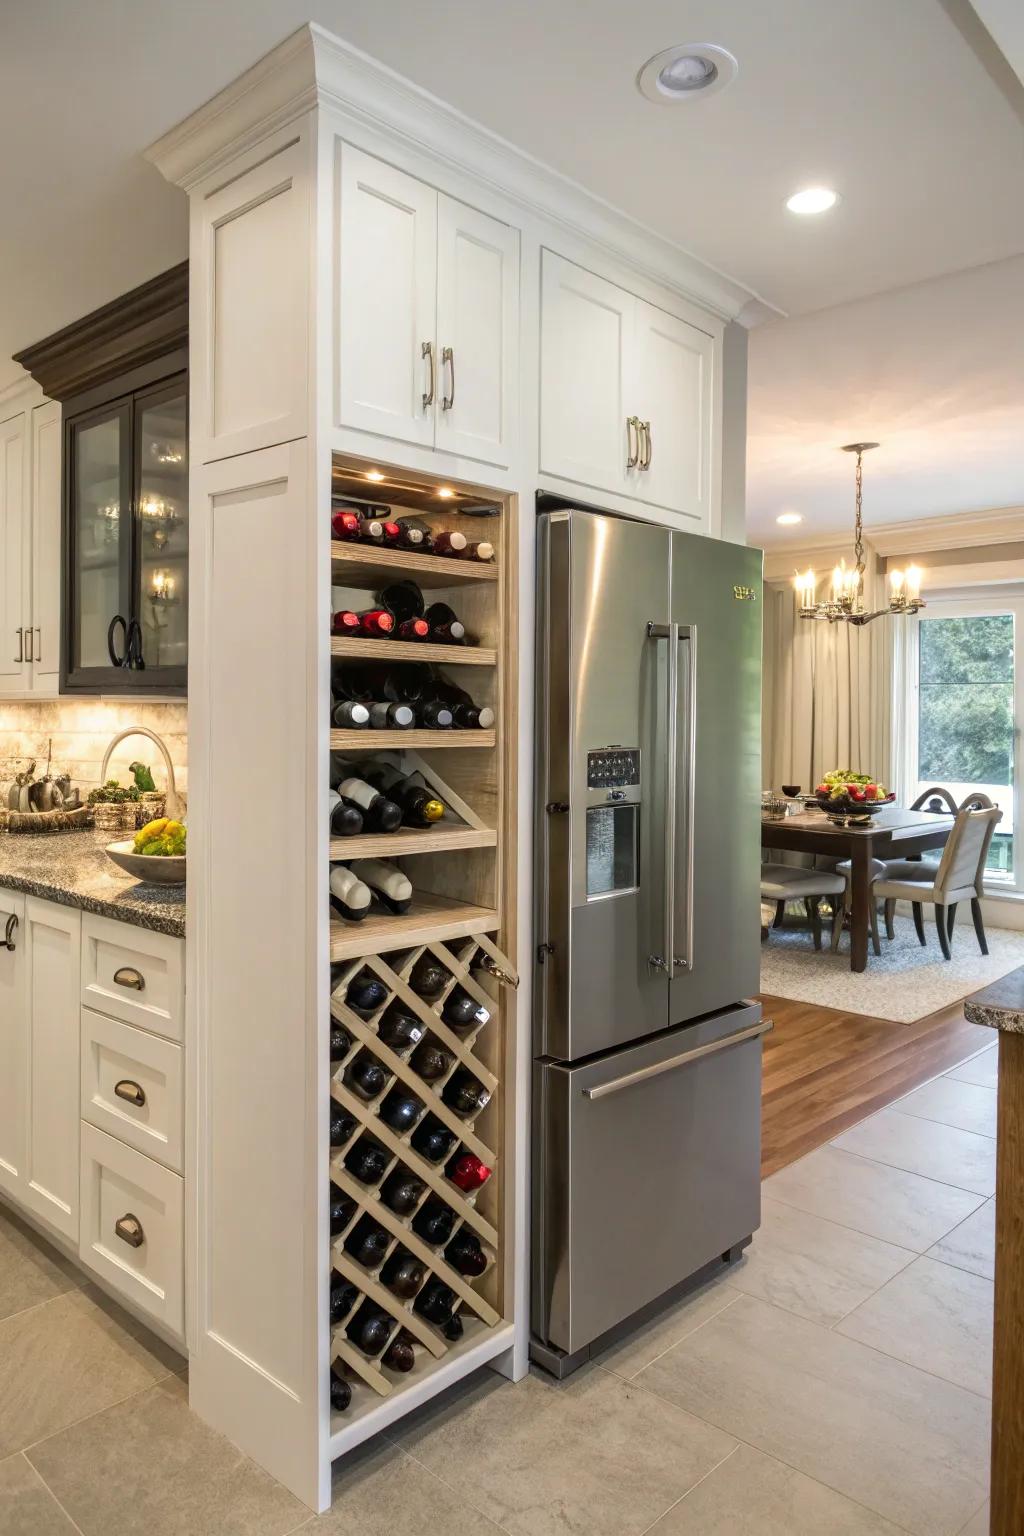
[429, 917]
[414, 650]
[395, 741]
[365, 563]
[381, 845]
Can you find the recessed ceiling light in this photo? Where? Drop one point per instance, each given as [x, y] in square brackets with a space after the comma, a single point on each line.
[685, 71]
[786, 518]
[374, 474]
[812, 200]
[446, 493]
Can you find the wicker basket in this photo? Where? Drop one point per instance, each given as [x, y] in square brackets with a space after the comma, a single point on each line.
[116, 818]
[152, 805]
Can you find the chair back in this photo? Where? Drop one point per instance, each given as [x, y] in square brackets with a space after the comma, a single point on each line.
[922, 802]
[963, 858]
[975, 801]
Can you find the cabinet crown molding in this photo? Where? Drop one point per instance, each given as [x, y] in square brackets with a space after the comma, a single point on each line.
[312, 69]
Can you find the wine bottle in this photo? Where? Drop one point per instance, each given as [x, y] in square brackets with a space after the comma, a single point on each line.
[375, 529]
[349, 716]
[403, 1274]
[346, 819]
[434, 1222]
[391, 717]
[446, 628]
[453, 1328]
[379, 814]
[415, 535]
[478, 549]
[385, 880]
[400, 1110]
[463, 1093]
[402, 1192]
[467, 1172]
[430, 1061]
[449, 542]
[345, 522]
[399, 1355]
[433, 1140]
[465, 1254]
[343, 1208]
[428, 978]
[349, 681]
[342, 1125]
[343, 1298]
[435, 716]
[367, 1243]
[375, 624]
[366, 993]
[345, 622]
[370, 1329]
[341, 1041]
[349, 895]
[420, 807]
[466, 715]
[436, 1301]
[365, 1076]
[399, 1028]
[341, 1392]
[402, 599]
[367, 1160]
[461, 1011]
[412, 629]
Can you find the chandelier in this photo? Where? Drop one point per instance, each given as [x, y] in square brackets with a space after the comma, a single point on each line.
[845, 600]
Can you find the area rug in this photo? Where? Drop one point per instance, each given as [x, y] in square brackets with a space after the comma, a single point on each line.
[905, 984]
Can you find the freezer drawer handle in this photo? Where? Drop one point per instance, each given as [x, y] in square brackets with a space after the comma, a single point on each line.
[630, 1078]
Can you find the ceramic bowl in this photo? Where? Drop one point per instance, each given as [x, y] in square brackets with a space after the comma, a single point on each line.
[151, 868]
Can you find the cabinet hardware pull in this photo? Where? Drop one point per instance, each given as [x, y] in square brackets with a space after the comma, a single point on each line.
[129, 1230]
[39, 644]
[116, 621]
[645, 462]
[493, 969]
[29, 655]
[632, 433]
[427, 351]
[128, 976]
[448, 356]
[21, 645]
[12, 927]
[600, 1090]
[128, 1089]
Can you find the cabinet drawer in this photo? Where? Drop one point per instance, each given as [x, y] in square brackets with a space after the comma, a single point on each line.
[132, 1227]
[134, 975]
[132, 1087]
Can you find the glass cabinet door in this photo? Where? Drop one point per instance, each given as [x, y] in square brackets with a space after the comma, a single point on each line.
[100, 533]
[161, 499]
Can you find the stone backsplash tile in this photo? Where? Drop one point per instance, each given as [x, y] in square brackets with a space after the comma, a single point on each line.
[80, 730]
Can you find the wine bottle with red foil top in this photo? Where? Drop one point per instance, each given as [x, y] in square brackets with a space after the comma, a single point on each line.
[412, 629]
[346, 522]
[374, 624]
[467, 1172]
[449, 542]
[345, 622]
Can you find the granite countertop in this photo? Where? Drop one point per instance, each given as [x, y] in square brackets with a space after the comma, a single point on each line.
[1000, 1006]
[71, 868]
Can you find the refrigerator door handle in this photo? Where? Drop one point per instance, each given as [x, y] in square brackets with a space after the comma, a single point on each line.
[628, 1079]
[687, 632]
[665, 961]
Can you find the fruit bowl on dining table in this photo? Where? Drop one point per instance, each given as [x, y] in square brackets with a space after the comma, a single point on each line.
[155, 855]
[851, 799]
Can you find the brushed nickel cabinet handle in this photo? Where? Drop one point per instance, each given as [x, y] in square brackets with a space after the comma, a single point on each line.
[649, 441]
[448, 357]
[28, 643]
[128, 976]
[7, 942]
[129, 1230]
[21, 644]
[632, 436]
[427, 351]
[39, 644]
[132, 1091]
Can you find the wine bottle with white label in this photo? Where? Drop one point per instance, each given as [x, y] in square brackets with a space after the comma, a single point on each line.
[349, 895]
[386, 881]
[379, 814]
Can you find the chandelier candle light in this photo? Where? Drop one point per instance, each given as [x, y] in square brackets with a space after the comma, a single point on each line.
[845, 600]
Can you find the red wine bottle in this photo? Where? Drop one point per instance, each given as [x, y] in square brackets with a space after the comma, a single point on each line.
[375, 624]
[465, 1254]
[345, 523]
[379, 814]
[436, 1302]
[402, 599]
[449, 542]
[412, 629]
[400, 1354]
[402, 1192]
[345, 622]
[434, 1222]
[467, 1172]
[463, 1093]
[341, 1392]
[346, 819]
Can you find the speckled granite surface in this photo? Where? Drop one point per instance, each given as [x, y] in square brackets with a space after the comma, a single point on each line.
[71, 868]
[1000, 1006]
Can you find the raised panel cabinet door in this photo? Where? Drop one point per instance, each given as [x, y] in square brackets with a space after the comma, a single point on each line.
[477, 333]
[586, 336]
[15, 644]
[13, 1042]
[673, 366]
[46, 546]
[388, 371]
[53, 950]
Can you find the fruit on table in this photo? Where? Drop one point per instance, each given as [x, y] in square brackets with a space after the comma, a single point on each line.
[162, 838]
[844, 784]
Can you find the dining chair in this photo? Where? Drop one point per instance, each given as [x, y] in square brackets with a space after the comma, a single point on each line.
[786, 882]
[911, 868]
[958, 877]
[844, 867]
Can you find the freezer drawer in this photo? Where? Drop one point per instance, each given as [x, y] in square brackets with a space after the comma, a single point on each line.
[648, 1168]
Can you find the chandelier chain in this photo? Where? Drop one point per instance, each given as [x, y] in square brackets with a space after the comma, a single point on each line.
[858, 525]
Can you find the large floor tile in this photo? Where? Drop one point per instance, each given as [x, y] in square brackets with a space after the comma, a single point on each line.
[814, 1267]
[935, 1317]
[380, 1491]
[905, 1444]
[967, 1106]
[898, 1207]
[971, 1245]
[62, 1361]
[30, 1270]
[149, 1467]
[980, 1524]
[645, 1343]
[591, 1454]
[983, 1069]
[27, 1508]
[753, 1495]
[959, 1158]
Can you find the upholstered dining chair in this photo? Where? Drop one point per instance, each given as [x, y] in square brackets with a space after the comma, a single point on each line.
[787, 882]
[958, 877]
[917, 866]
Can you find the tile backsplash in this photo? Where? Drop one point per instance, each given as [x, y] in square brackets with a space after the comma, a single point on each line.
[80, 731]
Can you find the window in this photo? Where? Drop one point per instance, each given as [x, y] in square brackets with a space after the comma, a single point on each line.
[964, 708]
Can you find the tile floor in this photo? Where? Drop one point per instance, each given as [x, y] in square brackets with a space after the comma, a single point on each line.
[834, 1383]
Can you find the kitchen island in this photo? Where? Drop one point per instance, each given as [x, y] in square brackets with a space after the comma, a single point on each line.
[73, 870]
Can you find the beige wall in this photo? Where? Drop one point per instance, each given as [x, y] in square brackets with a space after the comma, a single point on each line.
[80, 730]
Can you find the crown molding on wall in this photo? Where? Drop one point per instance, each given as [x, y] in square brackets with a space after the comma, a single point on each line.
[919, 536]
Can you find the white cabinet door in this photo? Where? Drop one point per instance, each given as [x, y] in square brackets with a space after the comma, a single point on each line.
[673, 367]
[13, 1043]
[586, 339]
[477, 334]
[49, 1186]
[15, 644]
[46, 547]
[388, 374]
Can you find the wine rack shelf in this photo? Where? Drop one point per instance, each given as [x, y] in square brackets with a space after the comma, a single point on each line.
[389, 741]
[382, 845]
[365, 564]
[414, 650]
[429, 917]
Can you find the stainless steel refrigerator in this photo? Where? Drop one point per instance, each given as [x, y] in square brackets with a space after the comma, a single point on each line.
[647, 1071]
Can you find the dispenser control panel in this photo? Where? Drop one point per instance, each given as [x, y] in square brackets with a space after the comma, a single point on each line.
[613, 767]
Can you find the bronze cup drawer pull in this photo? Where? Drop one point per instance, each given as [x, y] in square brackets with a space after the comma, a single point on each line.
[128, 976]
[129, 1230]
[128, 1089]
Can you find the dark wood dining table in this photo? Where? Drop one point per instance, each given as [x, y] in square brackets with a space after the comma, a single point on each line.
[891, 834]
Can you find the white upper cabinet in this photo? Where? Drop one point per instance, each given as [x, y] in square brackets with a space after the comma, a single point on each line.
[427, 315]
[15, 645]
[627, 393]
[46, 546]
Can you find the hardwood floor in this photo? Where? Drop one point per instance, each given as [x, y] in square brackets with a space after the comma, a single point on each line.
[824, 1071]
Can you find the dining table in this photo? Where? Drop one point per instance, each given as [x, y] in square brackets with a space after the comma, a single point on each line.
[892, 833]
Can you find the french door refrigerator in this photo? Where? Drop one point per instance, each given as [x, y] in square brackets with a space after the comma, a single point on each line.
[647, 1071]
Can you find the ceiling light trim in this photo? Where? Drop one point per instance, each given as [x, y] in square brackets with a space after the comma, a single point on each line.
[723, 69]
